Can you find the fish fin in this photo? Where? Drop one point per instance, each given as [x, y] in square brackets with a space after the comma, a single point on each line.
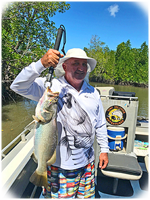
[39, 179]
[52, 160]
[46, 111]
[35, 118]
[34, 158]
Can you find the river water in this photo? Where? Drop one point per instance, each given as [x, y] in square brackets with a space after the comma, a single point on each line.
[16, 116]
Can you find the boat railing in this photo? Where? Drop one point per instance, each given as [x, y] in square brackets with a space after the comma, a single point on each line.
[22, 135]
[120, 97]
[18, 156]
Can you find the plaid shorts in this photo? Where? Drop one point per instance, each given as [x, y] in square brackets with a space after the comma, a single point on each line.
[78, 183]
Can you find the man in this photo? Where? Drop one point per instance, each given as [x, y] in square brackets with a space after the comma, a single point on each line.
[80, 117]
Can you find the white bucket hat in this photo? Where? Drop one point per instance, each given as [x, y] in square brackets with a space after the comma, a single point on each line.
[74, 53]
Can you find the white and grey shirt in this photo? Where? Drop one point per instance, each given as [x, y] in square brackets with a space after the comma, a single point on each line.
[80, 116]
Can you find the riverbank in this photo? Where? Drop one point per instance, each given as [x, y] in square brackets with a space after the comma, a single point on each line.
[8, 95]
[97, 80]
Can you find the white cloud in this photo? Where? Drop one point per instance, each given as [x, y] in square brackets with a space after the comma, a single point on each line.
[113, 9]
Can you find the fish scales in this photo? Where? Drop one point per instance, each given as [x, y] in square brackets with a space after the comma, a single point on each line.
[45, 136]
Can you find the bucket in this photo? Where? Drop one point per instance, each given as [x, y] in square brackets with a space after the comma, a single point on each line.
[116, 136]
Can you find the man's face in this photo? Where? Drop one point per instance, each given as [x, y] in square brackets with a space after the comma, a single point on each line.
[75, 69]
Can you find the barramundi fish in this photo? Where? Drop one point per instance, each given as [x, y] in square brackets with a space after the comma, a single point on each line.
[45, 136]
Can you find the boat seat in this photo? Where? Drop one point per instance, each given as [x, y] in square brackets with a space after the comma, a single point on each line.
[146, 159]
[105, 90]
[123, 166]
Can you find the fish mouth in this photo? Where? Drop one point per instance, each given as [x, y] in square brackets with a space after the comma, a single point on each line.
[52, 97]
[52, 94]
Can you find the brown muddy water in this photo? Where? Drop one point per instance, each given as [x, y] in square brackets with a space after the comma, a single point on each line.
[16, 116]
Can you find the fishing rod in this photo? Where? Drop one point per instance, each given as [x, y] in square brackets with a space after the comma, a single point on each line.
[60, 32]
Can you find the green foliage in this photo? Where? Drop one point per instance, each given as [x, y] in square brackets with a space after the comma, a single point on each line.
[27, 33]
[96, 51]
[125, 65]
[131, 64]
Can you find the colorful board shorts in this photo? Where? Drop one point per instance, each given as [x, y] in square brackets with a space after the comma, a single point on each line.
[78, 183]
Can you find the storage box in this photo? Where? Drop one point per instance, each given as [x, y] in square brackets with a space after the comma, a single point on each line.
[116, 136]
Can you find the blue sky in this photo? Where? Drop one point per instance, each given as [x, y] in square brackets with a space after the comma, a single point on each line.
[113, 22]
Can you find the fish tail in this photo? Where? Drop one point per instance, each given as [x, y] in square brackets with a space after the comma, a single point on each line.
[39, 179]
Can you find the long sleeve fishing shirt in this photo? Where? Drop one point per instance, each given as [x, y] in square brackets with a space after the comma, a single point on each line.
[80, 116]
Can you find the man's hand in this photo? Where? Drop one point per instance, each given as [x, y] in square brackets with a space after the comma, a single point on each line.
[103, 160]
[51, 58]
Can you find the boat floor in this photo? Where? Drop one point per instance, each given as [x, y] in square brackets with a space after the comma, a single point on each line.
[126, 188]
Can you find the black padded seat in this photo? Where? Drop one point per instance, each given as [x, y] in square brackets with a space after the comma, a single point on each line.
[123, 163]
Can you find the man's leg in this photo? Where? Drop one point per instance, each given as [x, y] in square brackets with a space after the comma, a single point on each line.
[87, 182]
[62, 183]
[78, 183]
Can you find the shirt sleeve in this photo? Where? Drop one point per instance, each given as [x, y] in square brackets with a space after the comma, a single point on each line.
[101, 130]
[28, 83]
